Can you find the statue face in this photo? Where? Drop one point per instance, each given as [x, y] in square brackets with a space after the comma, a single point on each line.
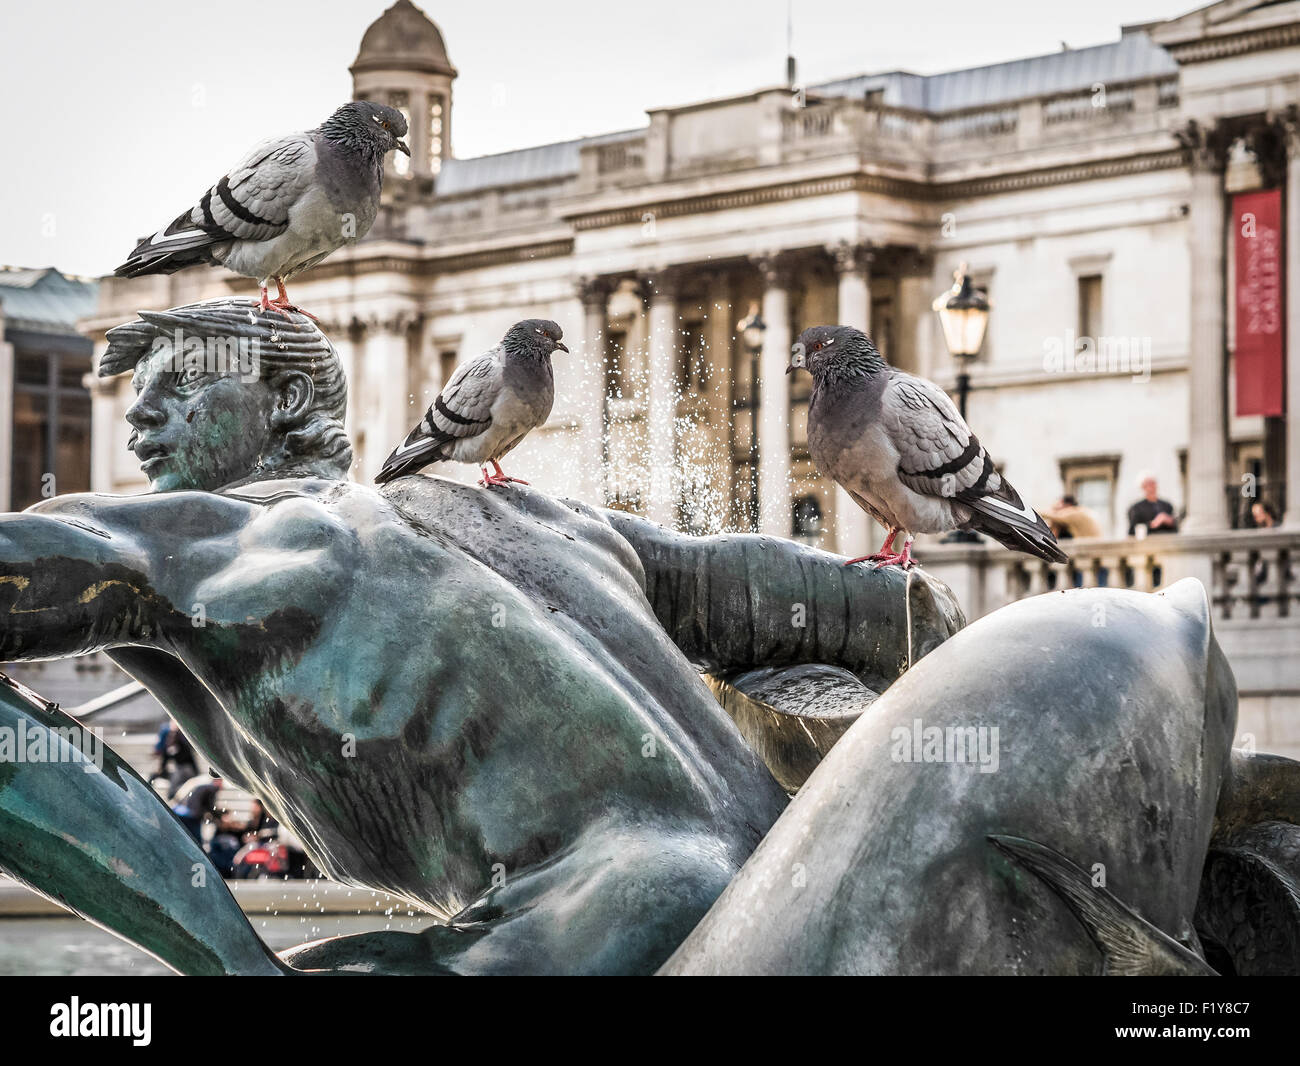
[198, 429]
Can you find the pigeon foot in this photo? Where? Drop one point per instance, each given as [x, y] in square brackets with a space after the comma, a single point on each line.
[902, 559]
[500, 477]
[281, 302]
[286, 307]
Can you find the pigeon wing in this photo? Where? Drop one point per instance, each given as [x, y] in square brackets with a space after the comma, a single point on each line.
[463, 409]
[251, 202]
[938, 453]
[940, 456]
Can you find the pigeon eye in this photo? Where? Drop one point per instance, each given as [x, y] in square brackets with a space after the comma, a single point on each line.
[385, 125]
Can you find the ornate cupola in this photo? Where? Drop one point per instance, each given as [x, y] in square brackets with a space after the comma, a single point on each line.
[403, 63]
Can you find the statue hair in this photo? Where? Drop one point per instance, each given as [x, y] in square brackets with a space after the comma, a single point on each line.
[293, 343]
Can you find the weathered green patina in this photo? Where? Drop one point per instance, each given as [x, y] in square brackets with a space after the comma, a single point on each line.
[491, 704]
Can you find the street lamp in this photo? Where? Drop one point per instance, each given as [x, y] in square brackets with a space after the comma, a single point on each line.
[964, 315]
[751, 331]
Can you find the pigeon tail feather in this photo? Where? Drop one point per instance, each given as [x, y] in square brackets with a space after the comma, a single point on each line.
[412, 456]
[180, 245]
[1008, 521]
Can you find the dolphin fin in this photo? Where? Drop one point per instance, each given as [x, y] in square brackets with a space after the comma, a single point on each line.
[1130, 945]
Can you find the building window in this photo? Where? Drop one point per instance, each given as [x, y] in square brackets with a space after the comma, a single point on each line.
[1089, 306]
[435, 134]
[744, 438]
[615, 349]
[807, 520]
[446, 364]
[399, 101]
[51, 427]
[692, 363]
[1091, 481]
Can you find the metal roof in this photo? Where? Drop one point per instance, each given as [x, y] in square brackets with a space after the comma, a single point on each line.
[1134, 56]
[546, 162]
[44, 300]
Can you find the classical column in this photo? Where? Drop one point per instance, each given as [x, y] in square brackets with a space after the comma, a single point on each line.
[386, 366]
[1291, 245]
[105, 430]
[348, 338]
[660, 292]
[774, 514]
[720, 326]
[1207, 384]
[853, 526]
[594, 294]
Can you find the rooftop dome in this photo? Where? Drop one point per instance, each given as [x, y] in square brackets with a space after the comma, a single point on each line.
[403, 38]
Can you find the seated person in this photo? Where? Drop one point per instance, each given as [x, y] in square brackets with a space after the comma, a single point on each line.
[1151, 512]
[1069, 520]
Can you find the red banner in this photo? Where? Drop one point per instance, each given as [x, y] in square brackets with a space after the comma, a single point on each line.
[1257, 239]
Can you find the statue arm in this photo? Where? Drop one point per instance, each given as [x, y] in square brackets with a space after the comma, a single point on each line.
[82, 573]
[67, 587]
[739, 601]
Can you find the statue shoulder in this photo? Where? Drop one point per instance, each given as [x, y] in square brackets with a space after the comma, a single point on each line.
[312, 512]
[149, 512]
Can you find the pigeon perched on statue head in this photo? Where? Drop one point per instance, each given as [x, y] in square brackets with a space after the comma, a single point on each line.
[489, 405]
[289, 203]
[897, 444]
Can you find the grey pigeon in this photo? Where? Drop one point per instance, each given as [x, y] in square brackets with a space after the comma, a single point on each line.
[899, 447]
[286, 206]
[490, 404]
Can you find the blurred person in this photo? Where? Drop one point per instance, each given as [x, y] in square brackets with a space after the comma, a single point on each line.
[1069, 519]
[197, 801]
[1151, 512]
[176, 760]
[1263, 515]
[234, 832]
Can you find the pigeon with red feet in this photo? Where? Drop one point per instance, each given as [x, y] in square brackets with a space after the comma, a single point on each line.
[291, 202]
[897, 444]
[490, 404]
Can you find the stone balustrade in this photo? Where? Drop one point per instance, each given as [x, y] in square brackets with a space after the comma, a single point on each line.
[1251, 574]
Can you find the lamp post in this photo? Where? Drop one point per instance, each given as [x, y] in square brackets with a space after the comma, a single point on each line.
[964, 315]
[751, 330]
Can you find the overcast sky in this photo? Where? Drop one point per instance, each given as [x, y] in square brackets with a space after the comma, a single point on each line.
[116, 116]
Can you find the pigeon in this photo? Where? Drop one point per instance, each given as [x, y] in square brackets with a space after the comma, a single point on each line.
[897, 444]
[490, 404]
[286, 206]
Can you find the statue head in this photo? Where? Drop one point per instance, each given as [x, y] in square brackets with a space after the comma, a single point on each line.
[227, 394]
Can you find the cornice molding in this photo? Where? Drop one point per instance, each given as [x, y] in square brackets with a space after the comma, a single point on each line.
[890, 186]
[1236, 44]
[430, 266]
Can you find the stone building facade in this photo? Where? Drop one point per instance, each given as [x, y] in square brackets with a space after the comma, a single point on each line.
[1087, 190]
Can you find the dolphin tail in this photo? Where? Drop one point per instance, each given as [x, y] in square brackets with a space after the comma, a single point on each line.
[1130, 945]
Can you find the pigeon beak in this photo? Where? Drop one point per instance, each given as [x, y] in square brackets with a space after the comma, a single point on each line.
[401, 147]
[559, 346]
[798, 361]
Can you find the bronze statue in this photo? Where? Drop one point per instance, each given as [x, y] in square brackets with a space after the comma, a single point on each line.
[490, 703]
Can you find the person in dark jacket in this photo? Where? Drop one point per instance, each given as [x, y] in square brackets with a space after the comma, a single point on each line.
[1151, 512]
